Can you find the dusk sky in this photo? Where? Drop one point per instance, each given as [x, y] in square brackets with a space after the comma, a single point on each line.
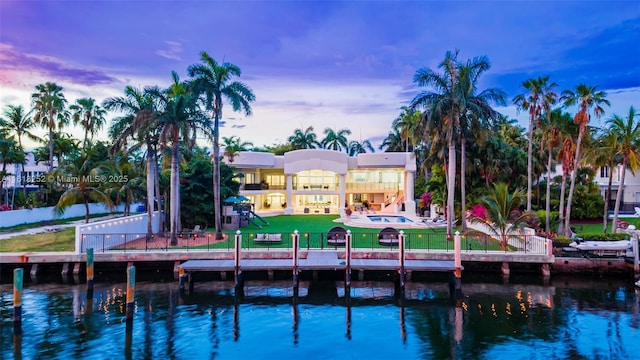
[318, 63]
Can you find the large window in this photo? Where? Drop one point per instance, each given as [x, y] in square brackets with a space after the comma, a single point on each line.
[604, 172]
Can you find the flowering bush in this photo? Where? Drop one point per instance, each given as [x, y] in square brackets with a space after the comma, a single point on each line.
[479, 211]
[425, 200]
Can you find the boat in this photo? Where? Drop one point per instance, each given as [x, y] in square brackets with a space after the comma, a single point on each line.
[615, 248]
[638, 283]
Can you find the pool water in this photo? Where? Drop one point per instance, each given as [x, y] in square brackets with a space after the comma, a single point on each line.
[391, 219]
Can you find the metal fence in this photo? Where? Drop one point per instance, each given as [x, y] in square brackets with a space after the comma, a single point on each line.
[205, 241]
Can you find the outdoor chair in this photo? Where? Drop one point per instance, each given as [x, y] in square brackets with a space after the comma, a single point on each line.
[637, 209]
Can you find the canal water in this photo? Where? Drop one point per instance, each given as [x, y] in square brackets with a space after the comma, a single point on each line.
[567, 318]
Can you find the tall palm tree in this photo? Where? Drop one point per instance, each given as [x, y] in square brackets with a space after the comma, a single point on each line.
[50, 106]
[213, 81]
[538, 98]
[233, 145]
[140, 124]
[552, 127]
[357, 147]
[566, 155]
[443, 109]
[604, 153]
[501, 206]
[627, 131]
[476, 114]
[180, 115]
[306, 139]
[335, 140]
[586, 97]
[19, 122]
[90, 115]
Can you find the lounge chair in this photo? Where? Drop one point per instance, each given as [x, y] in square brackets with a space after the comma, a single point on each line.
[637, 209]
[388, 237]
[268, 238]
[337, 236]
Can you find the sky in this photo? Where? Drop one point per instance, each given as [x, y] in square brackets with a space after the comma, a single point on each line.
[326, 64]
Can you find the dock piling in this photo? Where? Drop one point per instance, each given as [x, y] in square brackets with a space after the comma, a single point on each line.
[90, 272]
[456, 281]
[18, 276]
[636, 249]
[131, 286]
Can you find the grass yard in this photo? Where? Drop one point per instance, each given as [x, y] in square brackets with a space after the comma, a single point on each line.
[63, 240]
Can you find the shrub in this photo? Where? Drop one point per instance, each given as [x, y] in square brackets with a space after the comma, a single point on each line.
[604, 237]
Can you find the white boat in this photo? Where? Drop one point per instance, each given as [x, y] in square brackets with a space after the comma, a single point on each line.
[620, 245]
[638, 283]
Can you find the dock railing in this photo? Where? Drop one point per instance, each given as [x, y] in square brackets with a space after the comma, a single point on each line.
[263, 241]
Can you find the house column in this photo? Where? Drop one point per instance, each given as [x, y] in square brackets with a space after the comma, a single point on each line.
[289, 208]
[409, 202]
[343, 196]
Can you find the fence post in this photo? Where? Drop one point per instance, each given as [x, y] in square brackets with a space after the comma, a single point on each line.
[401, 255]
[296, 278]
[236, 260]
[348, 259]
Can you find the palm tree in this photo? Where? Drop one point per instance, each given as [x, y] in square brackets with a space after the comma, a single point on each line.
[538, 99]
[393, 142]
[335, 140]
[90, 115]
[552, 129]
[604, 153]
[501, 205]
[566, 155]
[179, 117]
[356, 147]
[128, 181]
[476, 114]
[232, 145]
[306, 139]
[213, 80]
[20, 123]
[585, 97]
[627, 131]
[443, 109]
[80, 180]
[408, 123]
[49, 103]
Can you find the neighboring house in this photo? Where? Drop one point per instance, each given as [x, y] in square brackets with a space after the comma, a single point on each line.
[326, 181]
[630, 193]
[33, 171]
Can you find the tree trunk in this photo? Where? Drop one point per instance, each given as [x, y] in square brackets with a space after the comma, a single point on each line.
[463, 190]
[530, 163]
[561, 215]
[50, 142]
[86, 208]
[156, 181]
[614, 224]
[567, 221]
[216, 178]
[605, 217]
[547, 208]
[175, 188]
[150, 193]
[451, 188]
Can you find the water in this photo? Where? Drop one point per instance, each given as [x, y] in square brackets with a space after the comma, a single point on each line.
[567, 319]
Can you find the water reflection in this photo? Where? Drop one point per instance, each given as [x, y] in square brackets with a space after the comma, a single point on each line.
[588, 319]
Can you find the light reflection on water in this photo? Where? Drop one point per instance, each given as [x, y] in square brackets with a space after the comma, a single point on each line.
[567, 319]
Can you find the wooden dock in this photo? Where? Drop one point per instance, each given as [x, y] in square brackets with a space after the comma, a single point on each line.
[317, 260]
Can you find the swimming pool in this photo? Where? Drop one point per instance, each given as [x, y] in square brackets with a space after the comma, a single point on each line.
[382, 221]
[390, 219]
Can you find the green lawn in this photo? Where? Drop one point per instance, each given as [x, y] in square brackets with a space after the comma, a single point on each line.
[596, 227]
[63, 240]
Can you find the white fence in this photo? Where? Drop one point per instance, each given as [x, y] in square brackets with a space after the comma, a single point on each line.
[114, 232]
[25, 216]
[523, 240]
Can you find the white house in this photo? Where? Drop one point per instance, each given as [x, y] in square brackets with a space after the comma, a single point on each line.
[325, 181]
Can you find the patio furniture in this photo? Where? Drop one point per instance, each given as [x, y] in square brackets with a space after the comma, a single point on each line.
[388, 237]
[337, 236]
